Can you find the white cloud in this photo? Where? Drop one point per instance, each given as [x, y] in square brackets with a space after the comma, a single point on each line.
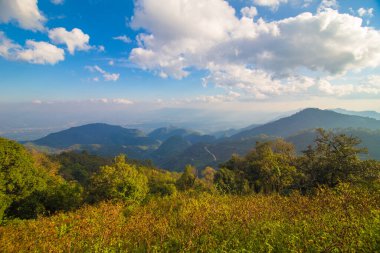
[33, 52]
[328, 4]
[306, 3]
[41, 53]
[57, 2]
[249, 12]
[122, 101]
[123, 38]
[75, 40]
[260, 57]
[366, 13]
[273, 4]
[24, 12]
[367, 86]
[106, 76]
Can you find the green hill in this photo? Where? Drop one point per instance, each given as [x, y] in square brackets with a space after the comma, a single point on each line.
[309, 119]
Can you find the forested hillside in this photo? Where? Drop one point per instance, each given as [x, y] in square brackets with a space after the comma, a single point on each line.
[326, 198]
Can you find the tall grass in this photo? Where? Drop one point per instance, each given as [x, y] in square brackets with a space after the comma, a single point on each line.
[341, 220]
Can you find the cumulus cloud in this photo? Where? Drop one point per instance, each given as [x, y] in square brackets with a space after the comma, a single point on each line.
[33, 51]
[41, 53]
[367, 86]
[123, 38]
[75, 40]
[365, 12]
[106, 76]
[257, 56]
[24, 12]
[249, 12]
[327, 4]
[273, 4]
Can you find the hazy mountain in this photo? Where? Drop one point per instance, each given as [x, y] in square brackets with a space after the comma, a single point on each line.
[298, 128]
[173, 148]
[370, 114]
[170, 148]
[230, 132]
[309, 119]
[165, 133]
[99, 134]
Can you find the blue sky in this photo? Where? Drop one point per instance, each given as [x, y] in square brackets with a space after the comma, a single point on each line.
[231, 56]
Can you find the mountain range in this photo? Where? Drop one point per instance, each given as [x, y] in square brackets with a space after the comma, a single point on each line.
[172, 148]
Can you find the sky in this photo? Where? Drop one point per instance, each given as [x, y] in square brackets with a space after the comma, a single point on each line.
[65, 62]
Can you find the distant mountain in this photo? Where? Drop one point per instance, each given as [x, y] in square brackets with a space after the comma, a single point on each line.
[109, 140]
[172, 147]
[165, 133]
[230, 132]
[96, 134]
[369, 114]
[309, 119]
[211, 154]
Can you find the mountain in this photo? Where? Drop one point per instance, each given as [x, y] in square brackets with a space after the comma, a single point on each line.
[369, 114]
[309, 119]
[172, 148]
[164, 133]
[230, 132]
[101, 134]
[298, 128]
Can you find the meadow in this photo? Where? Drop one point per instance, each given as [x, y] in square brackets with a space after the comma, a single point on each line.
[344, 219]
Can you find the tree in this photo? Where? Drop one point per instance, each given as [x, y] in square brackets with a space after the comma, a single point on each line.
[267, 168]
[187, 179]
[119, 181]
[333, 159]
[209, 174]
[19, 177]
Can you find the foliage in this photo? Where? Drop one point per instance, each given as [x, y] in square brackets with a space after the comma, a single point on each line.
[274, 167]
[119, 181]
[187, 179]
[79, 166]
[19, 178]
[268, 168]
[344, 219]
[334, 159]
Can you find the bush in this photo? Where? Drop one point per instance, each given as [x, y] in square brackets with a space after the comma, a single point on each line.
[119, 181]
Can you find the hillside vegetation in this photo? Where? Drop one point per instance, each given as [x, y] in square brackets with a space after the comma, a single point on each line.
[340, 220]
[271, 199]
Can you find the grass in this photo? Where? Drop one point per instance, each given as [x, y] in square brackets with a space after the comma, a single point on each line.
[341, 220]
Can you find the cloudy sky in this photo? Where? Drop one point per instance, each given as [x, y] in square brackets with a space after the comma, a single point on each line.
[235, 55]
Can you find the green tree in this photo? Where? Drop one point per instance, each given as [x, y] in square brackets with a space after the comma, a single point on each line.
[187, 179]
[267, 168]
[19, 177]
[119, 181]
[333, 159]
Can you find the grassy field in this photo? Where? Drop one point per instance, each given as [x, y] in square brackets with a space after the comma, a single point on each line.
[340, 220]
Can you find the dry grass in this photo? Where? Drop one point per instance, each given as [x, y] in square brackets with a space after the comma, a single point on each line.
[332, 221]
